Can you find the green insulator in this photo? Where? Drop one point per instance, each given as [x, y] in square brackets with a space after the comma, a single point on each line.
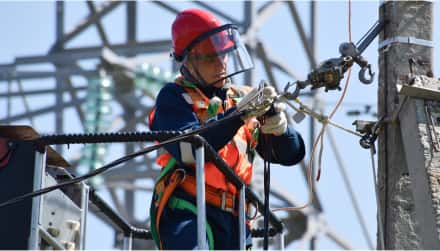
[145, 67]
[96, 181]
[154, 72]
[105, 109]
[101, 151]
[94, 147]
[100, 126]
[93, 108]
[90, 115]
[103, 95]
[98, 111]
[168, 76]
[106, 82]
[141, 82]
[83, 168]
[94, 82]
[154, 86]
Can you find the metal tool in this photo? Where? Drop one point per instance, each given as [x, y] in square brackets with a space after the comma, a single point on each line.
[331, 71]
[327, 75]
[369, 130]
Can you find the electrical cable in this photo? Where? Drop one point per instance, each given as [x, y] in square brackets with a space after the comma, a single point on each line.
[84, 177]
[267, 152]
[128, 157]
[318, 142]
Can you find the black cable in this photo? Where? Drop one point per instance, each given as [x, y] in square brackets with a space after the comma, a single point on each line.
[81, 178]
[267, 152]
[259, 232]
[50, 139]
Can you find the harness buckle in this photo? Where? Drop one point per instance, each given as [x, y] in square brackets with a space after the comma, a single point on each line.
[178, 175]
[223, 205]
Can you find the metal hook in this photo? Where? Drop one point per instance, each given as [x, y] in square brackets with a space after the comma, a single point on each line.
[290, 95]
[293, 95]
[362, 75]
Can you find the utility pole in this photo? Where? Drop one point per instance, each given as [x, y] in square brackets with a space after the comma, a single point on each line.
[409, 176]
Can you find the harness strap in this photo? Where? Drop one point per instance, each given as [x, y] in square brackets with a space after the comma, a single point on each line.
[157, 195]
[174, 181]
[178, 203]
[213, 196]
[168, 167]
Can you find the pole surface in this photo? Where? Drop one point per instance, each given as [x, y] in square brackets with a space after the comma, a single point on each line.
[396, 179]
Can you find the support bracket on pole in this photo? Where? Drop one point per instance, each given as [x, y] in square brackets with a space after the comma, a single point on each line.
[418, 92]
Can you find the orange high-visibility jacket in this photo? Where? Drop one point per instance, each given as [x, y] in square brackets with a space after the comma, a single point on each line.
[236, 153]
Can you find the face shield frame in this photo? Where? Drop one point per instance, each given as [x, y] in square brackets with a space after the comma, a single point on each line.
[223, 44]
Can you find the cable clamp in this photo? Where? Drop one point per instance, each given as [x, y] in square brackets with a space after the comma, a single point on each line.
[405, 40]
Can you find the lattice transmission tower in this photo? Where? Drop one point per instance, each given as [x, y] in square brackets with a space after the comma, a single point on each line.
[111, 86]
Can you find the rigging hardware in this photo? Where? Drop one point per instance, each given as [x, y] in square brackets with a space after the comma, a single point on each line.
[331, 71]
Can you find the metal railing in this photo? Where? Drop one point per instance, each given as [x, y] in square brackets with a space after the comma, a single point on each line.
[202, 149]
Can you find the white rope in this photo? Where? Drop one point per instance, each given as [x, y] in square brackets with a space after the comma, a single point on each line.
[320, 117]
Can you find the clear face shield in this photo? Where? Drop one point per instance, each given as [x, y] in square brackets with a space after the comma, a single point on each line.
[218, 55]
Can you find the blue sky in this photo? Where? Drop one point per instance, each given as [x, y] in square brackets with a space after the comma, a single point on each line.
[28, 29]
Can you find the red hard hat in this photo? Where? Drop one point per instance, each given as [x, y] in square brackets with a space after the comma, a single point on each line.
[189, 25]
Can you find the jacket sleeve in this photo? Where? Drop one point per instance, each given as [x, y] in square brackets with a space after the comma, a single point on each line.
[287, 149]
[174, 113]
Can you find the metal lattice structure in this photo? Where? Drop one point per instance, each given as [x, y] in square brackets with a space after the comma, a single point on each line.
[132, 101]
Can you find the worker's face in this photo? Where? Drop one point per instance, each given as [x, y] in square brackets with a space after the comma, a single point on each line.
[209, 67]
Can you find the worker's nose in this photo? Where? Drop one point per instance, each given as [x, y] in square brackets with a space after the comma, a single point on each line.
[220, 63]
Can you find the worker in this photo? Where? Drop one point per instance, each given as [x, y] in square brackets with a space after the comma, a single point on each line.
[208, 55]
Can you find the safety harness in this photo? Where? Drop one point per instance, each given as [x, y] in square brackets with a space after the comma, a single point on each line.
[171, 177]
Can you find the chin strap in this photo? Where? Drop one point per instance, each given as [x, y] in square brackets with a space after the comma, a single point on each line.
[187, 75]
[208, 90]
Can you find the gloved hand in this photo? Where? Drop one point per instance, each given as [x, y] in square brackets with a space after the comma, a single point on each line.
[257, 102]
[275, 124]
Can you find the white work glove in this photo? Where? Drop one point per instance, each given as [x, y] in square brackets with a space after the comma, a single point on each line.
[277, 123]
[257, 102]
